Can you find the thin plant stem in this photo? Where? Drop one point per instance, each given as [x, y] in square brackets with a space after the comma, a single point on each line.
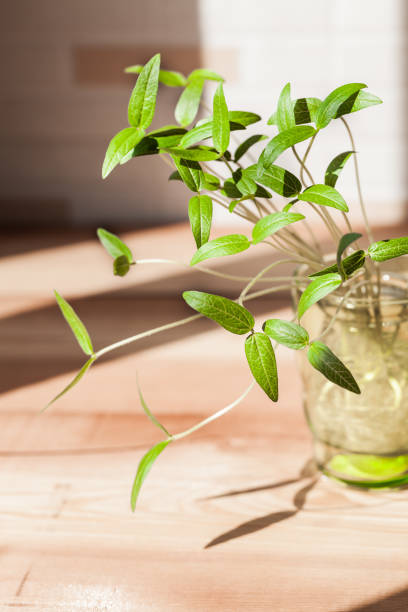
[167, 326]
[214, 416]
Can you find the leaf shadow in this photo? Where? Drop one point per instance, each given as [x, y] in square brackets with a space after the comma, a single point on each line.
[262, 522]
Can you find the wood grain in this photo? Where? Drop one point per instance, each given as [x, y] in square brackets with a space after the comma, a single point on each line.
[232, 519]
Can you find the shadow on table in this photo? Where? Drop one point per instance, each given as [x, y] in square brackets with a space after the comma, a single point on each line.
[262, 522]
[397, 602]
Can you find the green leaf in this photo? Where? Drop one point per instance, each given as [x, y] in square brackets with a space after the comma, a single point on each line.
[247, 144]
[230, 190]
[262, 363]
[350, 264]
[221, 127]
[196, 154]
[168, 135]
[189, 102]
[245, 184]
[230, 315]
[121, 266]
[388, 249]
[331, 105]
[362, 100]
[324, 195]
[120, 145]
[318, 289]
[149, 413]
[281, 142]
[210, 182]
[73, 382]
[335, 167]
[114, 245]
[344, 242]
[167, 77]
[278, 179]
[289, 205]
[190, 173]
[272, 223]
[304, 111]
[142, 101]
[76, 325]
[326, 362]
[203, 73]
[144, 468]
[285, 118]
[289, 334]
[220, 247]
[200, 209]
[204, 131]
[244, 118]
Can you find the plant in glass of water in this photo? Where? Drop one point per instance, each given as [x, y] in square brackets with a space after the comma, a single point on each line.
[215, 172]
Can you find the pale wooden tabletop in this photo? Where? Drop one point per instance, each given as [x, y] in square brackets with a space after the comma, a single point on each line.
[233, 518]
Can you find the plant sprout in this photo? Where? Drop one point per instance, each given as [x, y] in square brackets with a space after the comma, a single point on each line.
[196, 150]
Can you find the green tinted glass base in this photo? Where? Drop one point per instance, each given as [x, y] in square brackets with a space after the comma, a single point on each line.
[362, 470]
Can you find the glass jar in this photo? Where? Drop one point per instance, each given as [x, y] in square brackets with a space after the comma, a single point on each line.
[362, 439]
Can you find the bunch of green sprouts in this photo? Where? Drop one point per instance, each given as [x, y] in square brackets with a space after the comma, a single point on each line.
[247, 192]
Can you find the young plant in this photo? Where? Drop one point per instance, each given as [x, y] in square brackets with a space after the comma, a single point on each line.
[203, 157]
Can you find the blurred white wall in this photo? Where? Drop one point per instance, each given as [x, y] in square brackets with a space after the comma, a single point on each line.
[317, 46]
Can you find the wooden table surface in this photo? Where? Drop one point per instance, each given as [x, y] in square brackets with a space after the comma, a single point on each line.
[233, 518]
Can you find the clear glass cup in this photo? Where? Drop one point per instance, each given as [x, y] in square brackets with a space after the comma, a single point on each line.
[362, 440]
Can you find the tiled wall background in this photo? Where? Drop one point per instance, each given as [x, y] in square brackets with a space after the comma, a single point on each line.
[64, 94]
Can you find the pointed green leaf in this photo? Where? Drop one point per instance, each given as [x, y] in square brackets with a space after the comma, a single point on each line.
[388, 249]
[168, 135]
[221, 128]
[344, 242]
[335, 167]
[73, 382]
[272, 223]
[203, 73]
[278, 179]
[362, 100]
[190, 172]
[120, 145]
[113, 244]
[149, 413]
[289, 205]
[144, 468]
[220, 247]
[281, 142]
[230, 315]
[142, 101]
[247, 144]
[245, 184]
[243, 117]
[324, 195]
[189, 102]
[167, 77]
[262, 363]
[204, 131]
[210, 182]
[285, 118]
[318, 289]
[326, 362]
[200, 209]
[350, 264]
[121, 266]
[331, 105]
[289, 334]
[196, 154]
[75, 323]
[230, 190]
[304, 111]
